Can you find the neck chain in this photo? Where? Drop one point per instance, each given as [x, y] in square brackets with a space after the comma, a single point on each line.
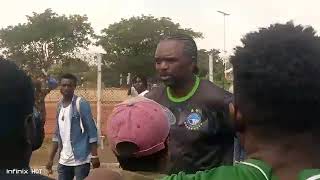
[63, 112]
[186, 97]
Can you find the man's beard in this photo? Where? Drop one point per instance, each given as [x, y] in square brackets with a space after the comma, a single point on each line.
[169, 82]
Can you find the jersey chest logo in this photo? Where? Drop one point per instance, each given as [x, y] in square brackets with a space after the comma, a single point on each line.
[193, 121]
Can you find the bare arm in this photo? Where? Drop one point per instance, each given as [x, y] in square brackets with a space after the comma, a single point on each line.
[94, 152]
[94, 149]
[54, 150]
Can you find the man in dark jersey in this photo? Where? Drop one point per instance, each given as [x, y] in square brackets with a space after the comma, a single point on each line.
[202, 137]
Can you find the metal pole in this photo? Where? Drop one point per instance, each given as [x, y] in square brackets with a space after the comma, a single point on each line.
[128, 78]
[224, 47]
[99, 98]
[210, 68]
[224, 42]
[224, 33]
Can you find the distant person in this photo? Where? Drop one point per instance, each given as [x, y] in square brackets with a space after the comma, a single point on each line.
[202, 137]
[140, 83]
[43, 86]
[139, 86]
[42, 89]
[17, 131]
[276, 106]
[138, 132]
[75, 135]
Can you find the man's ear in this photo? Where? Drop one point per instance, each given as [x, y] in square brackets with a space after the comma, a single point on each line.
[236, 117]
[195, 68]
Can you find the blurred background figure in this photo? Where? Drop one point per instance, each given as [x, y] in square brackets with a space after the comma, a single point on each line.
[139, 86]
[18, 134]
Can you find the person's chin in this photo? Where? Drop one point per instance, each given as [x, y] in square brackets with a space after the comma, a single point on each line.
[168, 82]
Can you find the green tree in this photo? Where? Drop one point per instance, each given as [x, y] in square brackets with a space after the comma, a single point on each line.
[218, 67]
[130, 44]
[70, 65]
[46, 39]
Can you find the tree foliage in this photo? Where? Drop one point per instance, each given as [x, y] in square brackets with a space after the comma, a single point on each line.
[218, 67]
[130, 44]
[47, 38]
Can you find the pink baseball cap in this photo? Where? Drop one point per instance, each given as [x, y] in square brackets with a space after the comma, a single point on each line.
[140, 121]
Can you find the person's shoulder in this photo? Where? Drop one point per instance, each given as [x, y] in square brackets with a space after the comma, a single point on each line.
[155, 93]
[79, 97]
[213, 94]
[82, 100]
[219, 173]
[211, 87]
[141, 175]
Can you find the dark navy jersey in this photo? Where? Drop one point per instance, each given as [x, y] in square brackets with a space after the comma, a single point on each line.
[202, 136]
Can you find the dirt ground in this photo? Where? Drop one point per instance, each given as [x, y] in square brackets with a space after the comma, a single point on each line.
[40, 157]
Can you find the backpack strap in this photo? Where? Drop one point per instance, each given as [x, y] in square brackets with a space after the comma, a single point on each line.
[263, 168]
[256, 167]
[78, 109]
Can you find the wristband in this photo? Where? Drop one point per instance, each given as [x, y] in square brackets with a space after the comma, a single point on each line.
[94, 157]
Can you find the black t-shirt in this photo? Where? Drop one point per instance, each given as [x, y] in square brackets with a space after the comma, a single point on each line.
[202, 136]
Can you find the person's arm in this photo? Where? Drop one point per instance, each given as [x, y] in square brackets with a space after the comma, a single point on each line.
[55, 146]
[219, 103]
[94, 153]
[155, 93]
[53, 152]
[90, 127]
[88, 122]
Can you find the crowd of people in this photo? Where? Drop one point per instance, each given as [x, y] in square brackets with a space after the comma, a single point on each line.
[185, 128]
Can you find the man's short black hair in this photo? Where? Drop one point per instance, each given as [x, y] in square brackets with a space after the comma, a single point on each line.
[276, 76]
[16, 103]
[190, 47]
[69, 76]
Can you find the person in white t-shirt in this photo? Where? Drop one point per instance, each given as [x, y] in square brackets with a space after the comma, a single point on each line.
[75, 135]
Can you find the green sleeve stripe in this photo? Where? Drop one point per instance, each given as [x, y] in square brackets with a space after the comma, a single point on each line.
[315, 177]
[257, 167]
